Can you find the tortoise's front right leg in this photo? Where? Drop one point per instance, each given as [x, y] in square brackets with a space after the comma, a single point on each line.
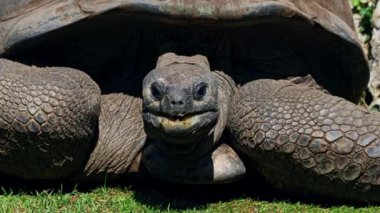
[48, 120]
[306, 141]
[55, 124]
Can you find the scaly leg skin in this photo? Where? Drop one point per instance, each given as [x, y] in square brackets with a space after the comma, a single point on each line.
[48, 120]
[55, 124]
[306, 141]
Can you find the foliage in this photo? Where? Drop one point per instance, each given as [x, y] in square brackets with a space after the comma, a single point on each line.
[364, 8]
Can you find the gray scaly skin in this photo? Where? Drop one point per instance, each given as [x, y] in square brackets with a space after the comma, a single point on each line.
[47, 120]
[55, 124]
[304, 140]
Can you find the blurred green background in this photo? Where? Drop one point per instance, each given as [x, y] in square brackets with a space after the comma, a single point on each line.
[363, 10]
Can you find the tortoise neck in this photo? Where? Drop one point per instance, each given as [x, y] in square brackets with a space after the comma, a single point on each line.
[120, 139]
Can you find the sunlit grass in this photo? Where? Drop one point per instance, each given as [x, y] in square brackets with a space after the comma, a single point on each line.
[150, 196]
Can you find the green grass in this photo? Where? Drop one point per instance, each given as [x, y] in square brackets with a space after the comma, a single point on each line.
[151, 196]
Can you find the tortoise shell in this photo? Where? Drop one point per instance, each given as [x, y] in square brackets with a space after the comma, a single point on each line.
[247, 39]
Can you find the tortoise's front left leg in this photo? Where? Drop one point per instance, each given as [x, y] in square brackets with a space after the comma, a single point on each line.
[306, 141]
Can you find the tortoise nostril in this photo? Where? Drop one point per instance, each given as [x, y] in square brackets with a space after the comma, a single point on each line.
[177, 103]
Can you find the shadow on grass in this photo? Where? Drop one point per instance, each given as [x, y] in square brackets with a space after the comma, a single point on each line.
[181, 197]
[160, 195]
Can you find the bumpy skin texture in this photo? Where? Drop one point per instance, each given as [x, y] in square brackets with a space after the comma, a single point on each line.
[48, 118]
[121, 137]
[306, 141]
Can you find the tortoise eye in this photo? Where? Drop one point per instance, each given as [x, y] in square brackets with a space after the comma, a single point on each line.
[156, 91]
[200, 91]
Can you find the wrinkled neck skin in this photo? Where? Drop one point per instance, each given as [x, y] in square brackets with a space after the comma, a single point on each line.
[204, 160]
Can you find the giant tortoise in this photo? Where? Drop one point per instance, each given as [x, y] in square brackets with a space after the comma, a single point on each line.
[103, 89]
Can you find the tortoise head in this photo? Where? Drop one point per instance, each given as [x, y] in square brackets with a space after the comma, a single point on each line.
[180, 100]
[185, 108]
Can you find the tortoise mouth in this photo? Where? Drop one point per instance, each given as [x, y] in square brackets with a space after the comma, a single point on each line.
[118, 48]
[180, 130]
